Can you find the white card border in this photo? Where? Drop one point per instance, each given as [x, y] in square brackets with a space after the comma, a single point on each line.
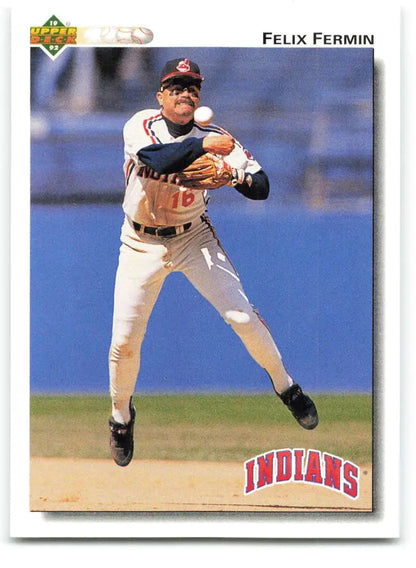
[26, 524]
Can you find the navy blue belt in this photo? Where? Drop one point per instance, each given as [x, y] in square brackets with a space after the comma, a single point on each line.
[161, 231]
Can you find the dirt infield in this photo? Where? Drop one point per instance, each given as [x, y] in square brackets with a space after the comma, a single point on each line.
[63, 484]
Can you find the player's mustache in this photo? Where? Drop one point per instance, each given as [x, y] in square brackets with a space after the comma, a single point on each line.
[185, 100]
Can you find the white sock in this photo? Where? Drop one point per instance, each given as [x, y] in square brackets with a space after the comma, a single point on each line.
[290, 382]
[121, 412]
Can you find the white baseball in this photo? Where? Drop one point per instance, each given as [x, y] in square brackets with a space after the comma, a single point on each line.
[141, 35]
[203, 115]
[109, 35]
[124, 35]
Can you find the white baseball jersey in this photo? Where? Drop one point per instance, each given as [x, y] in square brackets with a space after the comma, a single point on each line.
[146, 259]
[154, 203]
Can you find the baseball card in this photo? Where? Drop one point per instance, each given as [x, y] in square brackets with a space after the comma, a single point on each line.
[205, 277]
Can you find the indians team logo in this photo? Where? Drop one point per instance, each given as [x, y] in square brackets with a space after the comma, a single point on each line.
[53, 36]
[301, 466]
[183, 66]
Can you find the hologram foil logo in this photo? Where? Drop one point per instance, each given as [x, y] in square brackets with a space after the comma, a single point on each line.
[53, 36]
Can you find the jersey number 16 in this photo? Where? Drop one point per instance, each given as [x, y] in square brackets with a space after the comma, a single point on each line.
[186, 198]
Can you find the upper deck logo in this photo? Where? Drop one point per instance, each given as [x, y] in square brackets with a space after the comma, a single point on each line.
[53, 36]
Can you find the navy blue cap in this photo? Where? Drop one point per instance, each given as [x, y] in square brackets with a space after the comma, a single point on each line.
[180, 68]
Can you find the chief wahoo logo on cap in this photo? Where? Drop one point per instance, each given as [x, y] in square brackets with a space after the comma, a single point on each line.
[183, 66]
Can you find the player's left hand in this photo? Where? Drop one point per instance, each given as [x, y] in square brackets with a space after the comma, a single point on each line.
[209, 172]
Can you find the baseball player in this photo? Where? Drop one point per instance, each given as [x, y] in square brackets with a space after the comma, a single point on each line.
[170, 164]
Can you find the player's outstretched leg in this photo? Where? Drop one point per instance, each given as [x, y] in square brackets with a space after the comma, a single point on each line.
[301, 406]
[121, 439]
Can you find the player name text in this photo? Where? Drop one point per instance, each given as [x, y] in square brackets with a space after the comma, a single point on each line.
[317, 38]
[302, 466]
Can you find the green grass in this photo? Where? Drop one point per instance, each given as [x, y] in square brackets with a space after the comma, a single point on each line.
[204, 427]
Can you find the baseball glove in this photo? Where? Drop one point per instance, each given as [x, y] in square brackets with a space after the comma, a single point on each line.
[208, 172]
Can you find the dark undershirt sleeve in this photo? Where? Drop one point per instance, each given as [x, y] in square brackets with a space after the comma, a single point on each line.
[259, 188]
[173, 157]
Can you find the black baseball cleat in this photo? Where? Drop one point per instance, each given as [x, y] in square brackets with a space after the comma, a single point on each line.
[121, 439]
[301, 406]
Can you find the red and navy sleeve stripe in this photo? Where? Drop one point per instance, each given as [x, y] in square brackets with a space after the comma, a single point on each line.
[129, 170]
[211, 128]
[148, 126]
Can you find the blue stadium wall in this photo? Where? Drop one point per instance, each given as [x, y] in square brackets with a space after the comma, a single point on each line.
[305, 255]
